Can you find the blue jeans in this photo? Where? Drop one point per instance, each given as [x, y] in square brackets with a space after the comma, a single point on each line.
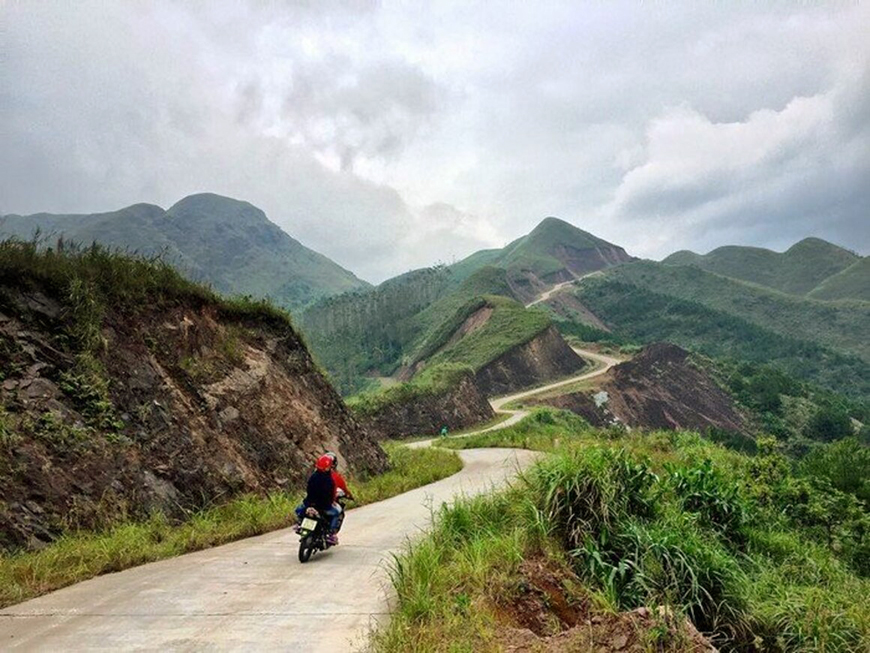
[334, 514]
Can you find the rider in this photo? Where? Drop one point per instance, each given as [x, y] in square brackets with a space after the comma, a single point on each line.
[320, 495]
[340, 484]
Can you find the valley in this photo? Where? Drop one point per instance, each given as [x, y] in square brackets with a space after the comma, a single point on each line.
[566, 305]
[176, 403]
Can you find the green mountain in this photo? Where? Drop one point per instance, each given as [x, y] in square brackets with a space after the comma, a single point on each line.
[373, 333]
[639, 314]
[552, 252]
[228, 243]
[796, 271]
[851, 283]
[841, 326]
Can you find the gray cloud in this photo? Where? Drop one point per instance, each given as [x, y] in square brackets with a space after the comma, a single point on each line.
[389, 139]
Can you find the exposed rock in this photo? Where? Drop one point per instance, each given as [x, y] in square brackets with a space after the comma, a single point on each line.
[544, 358]
[158, 494]
[542, 617]
[201, 406]
[40, 304]
[462, 406]
[660, 388]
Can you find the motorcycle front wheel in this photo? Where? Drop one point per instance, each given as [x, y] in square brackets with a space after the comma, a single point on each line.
[306, 548]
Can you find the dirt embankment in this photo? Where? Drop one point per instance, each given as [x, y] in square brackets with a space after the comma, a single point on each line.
[195, 406]
[544, 358]
[544, 618]
[659, 389]
[461, 406]
[577, 262]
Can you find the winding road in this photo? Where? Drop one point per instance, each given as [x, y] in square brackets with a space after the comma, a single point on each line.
[253, 594]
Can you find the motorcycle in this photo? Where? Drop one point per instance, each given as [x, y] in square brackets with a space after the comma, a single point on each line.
[314, 530]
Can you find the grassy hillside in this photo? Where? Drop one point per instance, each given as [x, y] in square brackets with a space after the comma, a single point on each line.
[375, 331]
[638, 314]
[839, 326]
[432, 381]
[851, 283]
[796, 271]
[227, 243]
[759, 556]
[510, 324]
[553, 251]
[488, 280]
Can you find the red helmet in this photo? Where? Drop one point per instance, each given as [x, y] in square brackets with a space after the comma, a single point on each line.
[324, 463]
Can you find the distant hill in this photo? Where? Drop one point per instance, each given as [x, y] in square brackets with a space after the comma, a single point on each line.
[553, 252]
[228, 243]
[796, 271]
[371, 333]
[851, 283]
[644, 313]
[842, 326]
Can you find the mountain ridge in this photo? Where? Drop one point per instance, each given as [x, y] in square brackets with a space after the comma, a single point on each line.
[797, 271]
[553, 252]
[229, 243]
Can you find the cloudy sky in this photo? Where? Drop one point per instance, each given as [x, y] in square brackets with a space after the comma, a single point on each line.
[390, 136]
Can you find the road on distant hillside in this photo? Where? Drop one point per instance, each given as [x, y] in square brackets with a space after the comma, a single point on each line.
[603, 364]
[253, 594]
[549, 293]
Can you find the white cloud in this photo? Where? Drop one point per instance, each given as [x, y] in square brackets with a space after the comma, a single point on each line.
[389, 137]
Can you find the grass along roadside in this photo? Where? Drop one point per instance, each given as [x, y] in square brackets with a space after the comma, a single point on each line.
[81, 555]
[662, 520]
[544, 429]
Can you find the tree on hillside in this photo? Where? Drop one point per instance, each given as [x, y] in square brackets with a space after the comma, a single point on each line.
[829, 423]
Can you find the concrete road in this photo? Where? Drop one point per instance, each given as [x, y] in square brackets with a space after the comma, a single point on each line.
[252, 594]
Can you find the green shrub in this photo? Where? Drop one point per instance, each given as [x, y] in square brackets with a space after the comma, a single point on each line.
[846, 464]
[829, 423]
[702, 490]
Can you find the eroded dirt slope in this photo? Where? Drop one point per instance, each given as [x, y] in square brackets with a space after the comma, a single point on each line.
[660, 388]
[458, 407]
[179, 408]
[544, 358]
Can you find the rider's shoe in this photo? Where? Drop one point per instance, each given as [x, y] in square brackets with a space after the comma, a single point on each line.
[332, 539]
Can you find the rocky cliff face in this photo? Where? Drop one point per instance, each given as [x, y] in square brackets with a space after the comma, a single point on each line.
[461, 406]
[544, 358]
[658, 389]
[179, 407]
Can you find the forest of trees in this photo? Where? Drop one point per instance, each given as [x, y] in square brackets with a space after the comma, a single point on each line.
[364, 333]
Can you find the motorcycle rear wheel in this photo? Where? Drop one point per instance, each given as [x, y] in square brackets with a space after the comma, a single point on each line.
[306, 548]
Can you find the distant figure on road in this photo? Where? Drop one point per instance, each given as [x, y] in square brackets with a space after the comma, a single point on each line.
[444, 431]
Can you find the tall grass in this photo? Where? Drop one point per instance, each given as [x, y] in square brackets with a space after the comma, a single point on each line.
[95, 278]
[78, 556]
[662, 519]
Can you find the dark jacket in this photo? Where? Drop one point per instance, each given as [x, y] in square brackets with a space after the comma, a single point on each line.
[321, 491]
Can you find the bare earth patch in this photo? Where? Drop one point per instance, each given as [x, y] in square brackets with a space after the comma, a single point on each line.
[550, 614]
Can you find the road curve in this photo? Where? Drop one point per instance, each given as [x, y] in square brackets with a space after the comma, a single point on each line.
[253, 594]
[604, 363]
